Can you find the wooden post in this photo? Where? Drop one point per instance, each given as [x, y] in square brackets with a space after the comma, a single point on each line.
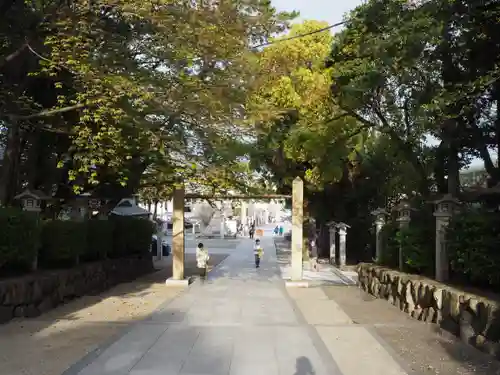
[178, 252]
[297, 229]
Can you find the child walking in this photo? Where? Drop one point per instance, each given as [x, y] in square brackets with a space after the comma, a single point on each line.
[258, 251]
[202, 258]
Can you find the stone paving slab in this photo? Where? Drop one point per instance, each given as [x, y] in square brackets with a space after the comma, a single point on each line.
[370, 358]
[239, 322]
[242, 321]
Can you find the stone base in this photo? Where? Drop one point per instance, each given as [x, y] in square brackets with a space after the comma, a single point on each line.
[297, 284]
[179, 283]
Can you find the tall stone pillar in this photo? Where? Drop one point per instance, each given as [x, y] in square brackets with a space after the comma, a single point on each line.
[380, 218]
[342, 228]
[445, 209]
[297, 227]
[332, 230]
[178, 251]
[223, 226]
[404, 217]
[244, 212]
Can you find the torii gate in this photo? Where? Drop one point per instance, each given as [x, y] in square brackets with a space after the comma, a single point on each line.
[178, 243]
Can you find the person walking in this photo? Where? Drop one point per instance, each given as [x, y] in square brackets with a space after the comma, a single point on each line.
[258, 251]
[281, 230]
[202, 258]
[252, 230]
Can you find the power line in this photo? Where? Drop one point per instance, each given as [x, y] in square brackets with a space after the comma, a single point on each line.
[300, 35]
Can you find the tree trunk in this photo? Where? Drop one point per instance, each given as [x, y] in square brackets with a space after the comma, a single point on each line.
[451, 76]
[155, 213]
[10, 165]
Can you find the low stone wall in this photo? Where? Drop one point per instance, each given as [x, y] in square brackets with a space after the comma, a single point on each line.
[476, 320]
[31, 295]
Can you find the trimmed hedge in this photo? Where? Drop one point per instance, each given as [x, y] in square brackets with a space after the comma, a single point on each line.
[99, 239]
[57, 243]
[131, 236]
[63, 242]
[19, 239]
[473, 247]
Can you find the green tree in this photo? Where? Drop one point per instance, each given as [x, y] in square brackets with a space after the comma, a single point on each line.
[124, 88]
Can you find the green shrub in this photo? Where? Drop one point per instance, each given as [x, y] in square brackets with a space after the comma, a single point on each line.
[390, 251]
[63, 242]
[416, 242]
[473, 239]
[418, 249]
[99, 240]
[131, 236]
[19, 238]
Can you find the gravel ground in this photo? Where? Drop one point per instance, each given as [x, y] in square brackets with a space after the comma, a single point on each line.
[51, 343]
[419, 346]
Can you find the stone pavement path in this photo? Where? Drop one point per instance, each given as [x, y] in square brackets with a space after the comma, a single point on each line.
[50, 343]
[243, 322]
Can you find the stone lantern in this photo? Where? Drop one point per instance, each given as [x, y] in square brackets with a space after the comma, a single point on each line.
[31, 200]
[404, 213]
[403, 210]
[380, 215]
[342, 229]
[445, 208]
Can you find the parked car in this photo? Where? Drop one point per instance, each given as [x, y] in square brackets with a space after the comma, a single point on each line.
[166, 250]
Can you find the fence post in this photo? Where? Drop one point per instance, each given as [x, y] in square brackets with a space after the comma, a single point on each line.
[404, 217]
[380, 218]
[444, 210]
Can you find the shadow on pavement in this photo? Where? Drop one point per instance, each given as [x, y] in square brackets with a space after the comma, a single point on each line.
[53, 341]
[304, 366]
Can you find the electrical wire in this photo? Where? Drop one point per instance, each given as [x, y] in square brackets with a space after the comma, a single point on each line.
[300, 35]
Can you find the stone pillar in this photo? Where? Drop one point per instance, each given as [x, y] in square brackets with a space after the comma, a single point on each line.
[178, 251]
[380, 218]
[159, 247]
[223, 226]
[244, 209]
[297, 227]
[342, 228]
[332, 229]
[445, 208]
[404, 217]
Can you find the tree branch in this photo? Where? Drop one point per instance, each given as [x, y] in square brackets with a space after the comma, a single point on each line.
[13, 55]
[46, 113]
[403, 145]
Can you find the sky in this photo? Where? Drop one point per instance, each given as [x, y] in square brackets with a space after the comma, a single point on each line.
[331, 11]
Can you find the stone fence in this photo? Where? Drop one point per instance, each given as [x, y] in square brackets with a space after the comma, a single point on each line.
[475, 319]
[31, 295]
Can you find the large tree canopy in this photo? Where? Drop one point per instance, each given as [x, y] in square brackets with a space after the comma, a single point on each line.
[106, 92]
[358, 123]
